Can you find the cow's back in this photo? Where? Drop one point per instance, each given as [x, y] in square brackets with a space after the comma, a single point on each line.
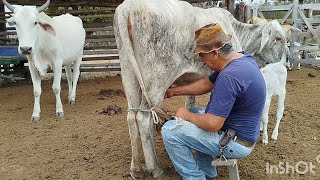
[162, 35]
[71, 34]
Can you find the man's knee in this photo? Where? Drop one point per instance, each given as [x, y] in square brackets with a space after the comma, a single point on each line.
[166, 130]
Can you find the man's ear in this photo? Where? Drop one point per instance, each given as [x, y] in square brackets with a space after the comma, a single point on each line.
[11, 21]
[47, 27]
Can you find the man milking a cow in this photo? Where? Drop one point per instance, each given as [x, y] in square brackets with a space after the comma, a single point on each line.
[232, 116]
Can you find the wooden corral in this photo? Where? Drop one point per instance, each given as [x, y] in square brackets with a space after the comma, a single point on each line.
[301, 16]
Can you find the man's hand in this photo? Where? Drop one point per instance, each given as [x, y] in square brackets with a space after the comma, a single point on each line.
[170, 92]
[198, 87]
[183, 113]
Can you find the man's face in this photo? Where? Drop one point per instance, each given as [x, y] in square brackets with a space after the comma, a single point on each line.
[212, 60]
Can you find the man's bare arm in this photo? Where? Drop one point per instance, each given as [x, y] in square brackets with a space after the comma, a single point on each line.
[207, 121]
[199, 87]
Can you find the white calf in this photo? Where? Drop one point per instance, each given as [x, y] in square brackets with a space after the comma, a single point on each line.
[49, 42]
[275, 76]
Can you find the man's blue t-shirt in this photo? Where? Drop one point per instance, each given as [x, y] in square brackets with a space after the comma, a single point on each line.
[239, 95]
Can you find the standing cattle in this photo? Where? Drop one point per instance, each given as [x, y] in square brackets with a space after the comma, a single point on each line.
[49, 42]
[289, 31]
[275, 76]
[155, 39]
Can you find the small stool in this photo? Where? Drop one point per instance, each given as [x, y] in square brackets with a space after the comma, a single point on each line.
[232, 166]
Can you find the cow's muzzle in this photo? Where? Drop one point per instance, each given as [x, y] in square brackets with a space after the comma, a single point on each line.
[25, 50]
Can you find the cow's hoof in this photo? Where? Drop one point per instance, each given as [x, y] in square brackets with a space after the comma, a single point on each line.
[275, 140]
[35, 119]
[72, 102]
[274, 137]
[137, 175]
[59, 114]
[158, 173]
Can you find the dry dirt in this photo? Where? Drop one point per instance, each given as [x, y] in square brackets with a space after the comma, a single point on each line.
[90, 144]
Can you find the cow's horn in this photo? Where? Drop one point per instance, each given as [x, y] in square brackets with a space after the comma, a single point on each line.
[9, 6]
[43, 7]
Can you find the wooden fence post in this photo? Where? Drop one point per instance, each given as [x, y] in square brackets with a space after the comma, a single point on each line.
[295, 5]
[230, 6]
[247, 15]
[2, 12]
[255, 9]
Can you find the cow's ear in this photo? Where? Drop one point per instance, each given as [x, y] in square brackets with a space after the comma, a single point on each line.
[11, 21]
[265, 36]
[47, 27]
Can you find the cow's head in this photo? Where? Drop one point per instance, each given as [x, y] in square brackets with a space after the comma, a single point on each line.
[273, 42]
[27, 21]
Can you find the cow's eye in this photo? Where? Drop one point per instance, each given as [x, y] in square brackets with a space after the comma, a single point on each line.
[35, 23]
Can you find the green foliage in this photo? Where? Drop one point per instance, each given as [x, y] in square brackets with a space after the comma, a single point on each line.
[275, 14]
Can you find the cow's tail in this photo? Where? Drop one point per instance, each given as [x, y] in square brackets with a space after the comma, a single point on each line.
[121, 25]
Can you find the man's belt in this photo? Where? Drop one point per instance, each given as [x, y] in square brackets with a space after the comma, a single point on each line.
[243, 142]
[231, 134]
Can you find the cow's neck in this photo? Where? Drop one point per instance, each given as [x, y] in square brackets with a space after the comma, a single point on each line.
[44, 39]
[250, 42]
[43, 49]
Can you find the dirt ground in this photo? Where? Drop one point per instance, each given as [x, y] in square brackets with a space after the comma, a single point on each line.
[90, 144]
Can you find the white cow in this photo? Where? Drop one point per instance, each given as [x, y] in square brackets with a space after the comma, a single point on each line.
[275, 76]
[49, 42]
[155, 39]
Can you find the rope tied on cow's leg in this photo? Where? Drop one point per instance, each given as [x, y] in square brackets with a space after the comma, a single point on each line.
[159, 117]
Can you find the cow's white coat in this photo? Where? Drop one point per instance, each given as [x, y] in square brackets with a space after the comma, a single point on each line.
[155, 39]
[50, 42]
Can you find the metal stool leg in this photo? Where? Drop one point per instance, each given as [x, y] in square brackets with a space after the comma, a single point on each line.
[231, 164]
[234, 172]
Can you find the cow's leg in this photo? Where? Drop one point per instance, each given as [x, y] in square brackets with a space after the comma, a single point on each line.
[69, 78]
[146, 129]
[265, 121]
[133, 95]
[290, 66]
[280, 110]
[56, 87]
[75, 78]
[136, 170]
[190, 102]
[36, 81]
